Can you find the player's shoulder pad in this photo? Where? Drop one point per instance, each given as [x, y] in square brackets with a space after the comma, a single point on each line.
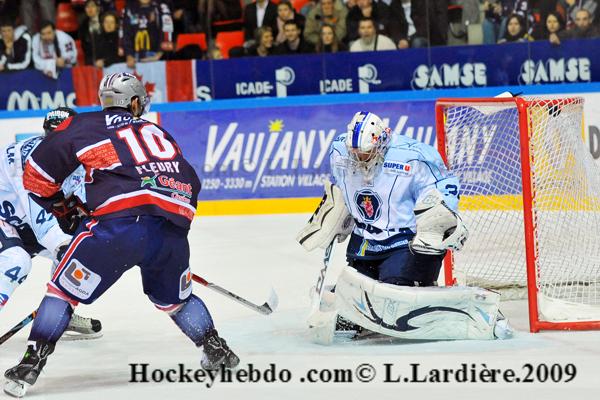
[26, 147]
[339, 144]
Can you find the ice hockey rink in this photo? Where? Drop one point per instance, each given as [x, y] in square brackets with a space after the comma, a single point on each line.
[248, 255]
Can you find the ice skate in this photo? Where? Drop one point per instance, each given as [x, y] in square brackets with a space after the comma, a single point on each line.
[20, 377]
[81, 328]
[217, 353]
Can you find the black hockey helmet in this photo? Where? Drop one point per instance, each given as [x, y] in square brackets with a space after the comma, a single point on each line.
[55, 117]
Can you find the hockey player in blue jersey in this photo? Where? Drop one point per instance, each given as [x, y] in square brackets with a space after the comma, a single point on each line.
[131, 223]
[26, 229]
[403, 203]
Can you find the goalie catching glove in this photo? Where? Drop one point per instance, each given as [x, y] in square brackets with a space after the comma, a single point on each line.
[438, 227]
[330, 219]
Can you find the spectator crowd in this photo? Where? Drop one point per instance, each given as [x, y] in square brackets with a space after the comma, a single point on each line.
[36, 33]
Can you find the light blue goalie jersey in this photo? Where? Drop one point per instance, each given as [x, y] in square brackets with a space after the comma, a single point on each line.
[383, 206]
[18, 209]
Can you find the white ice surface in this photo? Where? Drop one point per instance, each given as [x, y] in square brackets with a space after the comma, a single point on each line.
[248, 255]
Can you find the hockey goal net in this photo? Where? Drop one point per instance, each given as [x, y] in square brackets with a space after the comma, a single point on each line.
[530, 196]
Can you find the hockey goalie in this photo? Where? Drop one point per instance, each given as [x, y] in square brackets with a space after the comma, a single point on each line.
[398, 203]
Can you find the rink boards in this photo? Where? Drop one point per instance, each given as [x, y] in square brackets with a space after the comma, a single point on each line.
[269, 156]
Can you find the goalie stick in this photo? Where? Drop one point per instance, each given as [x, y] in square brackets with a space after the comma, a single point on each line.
[267, 308]
[17, 327]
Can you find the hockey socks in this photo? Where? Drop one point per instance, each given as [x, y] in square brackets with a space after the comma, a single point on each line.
[51, 321]
[194, 320]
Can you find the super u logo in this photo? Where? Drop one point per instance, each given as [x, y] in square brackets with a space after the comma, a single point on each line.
[369, 205]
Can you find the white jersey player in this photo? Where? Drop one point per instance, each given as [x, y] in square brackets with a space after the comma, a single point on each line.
[403, 202]
[26, 229]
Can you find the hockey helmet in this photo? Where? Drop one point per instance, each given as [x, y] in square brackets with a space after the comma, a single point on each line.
[367, 138]
[117, 90]
[55, 117]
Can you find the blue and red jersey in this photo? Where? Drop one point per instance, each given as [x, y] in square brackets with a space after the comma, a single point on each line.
[133, 167]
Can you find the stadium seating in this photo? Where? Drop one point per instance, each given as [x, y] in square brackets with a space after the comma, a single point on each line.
[226, 40]
[298, 4]
[185, 39]
[66, 19]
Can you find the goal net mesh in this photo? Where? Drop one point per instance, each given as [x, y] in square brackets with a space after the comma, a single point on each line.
[483, 150]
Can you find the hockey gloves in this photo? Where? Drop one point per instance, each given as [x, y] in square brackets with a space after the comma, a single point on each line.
[438, 227]
[330, 219]
[69, 212]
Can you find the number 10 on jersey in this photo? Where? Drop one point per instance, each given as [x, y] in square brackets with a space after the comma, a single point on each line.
[153, 143]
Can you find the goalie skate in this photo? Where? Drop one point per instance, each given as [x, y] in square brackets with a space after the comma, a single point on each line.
[81, 328]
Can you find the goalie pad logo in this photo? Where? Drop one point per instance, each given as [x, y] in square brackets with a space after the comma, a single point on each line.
[3, 299]
[79, 281]
[369, 205]
[402, 324]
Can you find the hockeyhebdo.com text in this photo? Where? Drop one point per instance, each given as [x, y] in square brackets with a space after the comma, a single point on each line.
[383, 373]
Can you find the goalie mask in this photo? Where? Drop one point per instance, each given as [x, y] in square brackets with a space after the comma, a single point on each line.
[367, 140]
[56, 117]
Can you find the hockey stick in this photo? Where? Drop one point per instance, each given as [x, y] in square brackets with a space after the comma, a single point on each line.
[323, 315]
[18, 327]
[266, 309]
[320, 286]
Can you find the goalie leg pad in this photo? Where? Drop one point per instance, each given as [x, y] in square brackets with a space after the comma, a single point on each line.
[329, 220]
[429, 313]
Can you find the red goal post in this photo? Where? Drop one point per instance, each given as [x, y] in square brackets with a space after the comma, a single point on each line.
[529, 191]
